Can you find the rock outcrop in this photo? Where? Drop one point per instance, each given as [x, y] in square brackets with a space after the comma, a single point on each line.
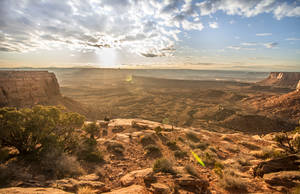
[27, 88]
[282, 79]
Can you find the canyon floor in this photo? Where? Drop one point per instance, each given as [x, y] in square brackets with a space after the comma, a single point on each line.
[229, 125]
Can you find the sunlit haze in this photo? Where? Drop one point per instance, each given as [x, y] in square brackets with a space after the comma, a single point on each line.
[254, 35]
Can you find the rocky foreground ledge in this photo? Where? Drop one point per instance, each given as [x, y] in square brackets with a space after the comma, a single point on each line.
[234, 163]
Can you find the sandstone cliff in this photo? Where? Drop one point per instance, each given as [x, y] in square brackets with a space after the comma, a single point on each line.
[282, 79]
[29, 88]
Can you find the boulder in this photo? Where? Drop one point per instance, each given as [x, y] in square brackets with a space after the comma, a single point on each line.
[283, 178]
[129, 178]
[192, 184]
[138, 189]
[288, 163]
[160, 188]
[35, 190]
[72, 185]
[122, 137]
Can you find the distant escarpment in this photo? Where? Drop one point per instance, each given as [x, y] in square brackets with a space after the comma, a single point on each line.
[282, 79]
[29, 88]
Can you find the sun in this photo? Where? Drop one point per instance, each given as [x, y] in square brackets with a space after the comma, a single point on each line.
[108, 58]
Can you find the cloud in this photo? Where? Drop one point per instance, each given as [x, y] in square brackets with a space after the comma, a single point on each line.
[292, 39]
[250, 8]
[271, 44]
[249, 44]
[264, 34]
[213, 25]
[234, 47]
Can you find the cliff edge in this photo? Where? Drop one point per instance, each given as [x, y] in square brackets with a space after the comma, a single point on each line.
[29, 88]
[282, 79]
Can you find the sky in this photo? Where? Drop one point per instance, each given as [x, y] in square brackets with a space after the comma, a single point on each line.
[250, 35]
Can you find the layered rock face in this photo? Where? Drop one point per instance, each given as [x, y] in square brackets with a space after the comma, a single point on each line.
[282, 79]
[27, 88]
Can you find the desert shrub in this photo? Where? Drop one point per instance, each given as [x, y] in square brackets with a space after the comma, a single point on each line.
[180, 154]
[181, 139]
[158, 130]
[202, 145]
[104, 132]
[213, 149]
[4, 154]
[226, 138]
[192, 136]
[191, 170]
[57, 165]
[147, 140]
[92, 129]
[153, 151]
[34, 132]
[115, 148]
[230, 181]
[289, 144]
[172, 145]
[244, 162]
[86, 190]
[250, 146]
[296, 190]
[233, 149]
[269, 153]
[163, 165]
[208, 158]
[218, 168]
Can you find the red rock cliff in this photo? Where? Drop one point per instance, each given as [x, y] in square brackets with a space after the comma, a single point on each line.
[27, 88]
[282, 79]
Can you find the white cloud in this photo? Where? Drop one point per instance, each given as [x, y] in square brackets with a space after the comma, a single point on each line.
[292, 39]
[249, 44]
[213, 25]
[270, 44]
[264, 34]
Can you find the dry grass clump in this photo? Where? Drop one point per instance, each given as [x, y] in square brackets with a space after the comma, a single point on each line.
[153, 151]
[192, 136]
[230, 181]
[61, 166]
[163, 165]
[147, 140]
[86, 190]
[267, 153]
[172, 145]
[202, 145]
[191, 170]
[250, 146]
[180, 154]
[244, 162]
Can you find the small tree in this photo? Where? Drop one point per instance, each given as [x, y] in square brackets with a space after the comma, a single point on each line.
[37, 130]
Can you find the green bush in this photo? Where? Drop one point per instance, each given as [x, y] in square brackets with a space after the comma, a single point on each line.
[92, 129]
[163, 165]
[34, 132]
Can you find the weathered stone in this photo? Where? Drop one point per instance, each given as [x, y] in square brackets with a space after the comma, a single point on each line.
[27, 88]
[283, 178]
[35, 190]
[288, 163]
[159, 188]
[122, 137]
[129, 178]
[134, 189]
[72, 185]
[192, 184]
[89, 177]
